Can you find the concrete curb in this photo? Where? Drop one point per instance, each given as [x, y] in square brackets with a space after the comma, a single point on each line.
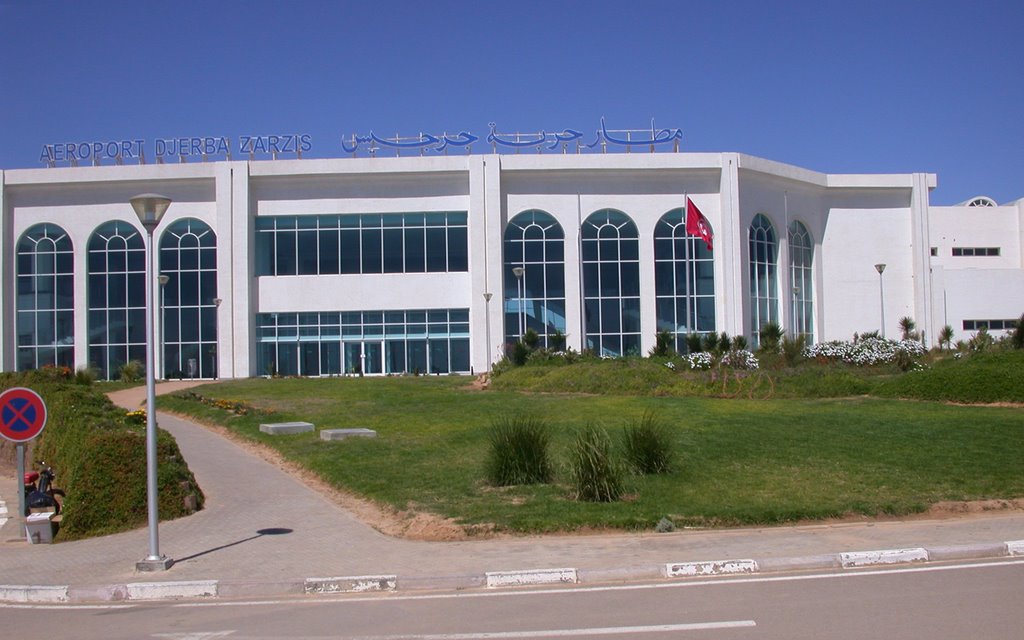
[222, 589]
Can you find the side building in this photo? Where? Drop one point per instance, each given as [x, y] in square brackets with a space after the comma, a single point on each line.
[435, 264]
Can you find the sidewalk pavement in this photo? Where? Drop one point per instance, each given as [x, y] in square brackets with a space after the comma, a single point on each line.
[264, 533]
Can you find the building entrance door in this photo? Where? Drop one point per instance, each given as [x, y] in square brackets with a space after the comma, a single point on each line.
[364, 357]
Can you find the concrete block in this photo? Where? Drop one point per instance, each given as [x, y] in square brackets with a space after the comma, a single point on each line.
[171, 590]
[710, 568]
[856, 559]
[341, 434]
[351, 584]
[20, 593]
[286, 428]
[531, 577]
[1015, 547]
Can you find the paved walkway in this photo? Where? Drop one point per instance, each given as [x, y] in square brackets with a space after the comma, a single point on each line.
[246, 495]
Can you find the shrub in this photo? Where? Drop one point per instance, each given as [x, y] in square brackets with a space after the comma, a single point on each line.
[793, 349]
[700, 360]
[740, 360]
[981, 341]
[518, 452]
[694, 343]
[771, 335]
[662, 345]
[724, 343]
[1017, 337]
[131, 371]
[595, 476]
[647, 445]
[100, 460]
[85, 376]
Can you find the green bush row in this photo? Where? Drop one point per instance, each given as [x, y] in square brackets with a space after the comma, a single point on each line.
[99, 457]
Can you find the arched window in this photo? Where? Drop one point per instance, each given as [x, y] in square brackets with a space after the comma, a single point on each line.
[611, 283]
[534, 248]
[117, 297]
[764, 296]
[801, 256]
[46, 298]
[188, 257]
[684, 277]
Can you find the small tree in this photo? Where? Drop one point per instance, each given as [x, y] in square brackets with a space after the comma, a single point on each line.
[771, 335]
[907, 326]
[662, 344]
[1017, 337]
[946, 337]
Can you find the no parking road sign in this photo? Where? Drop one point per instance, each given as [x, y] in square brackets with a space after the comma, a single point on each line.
[22, 414]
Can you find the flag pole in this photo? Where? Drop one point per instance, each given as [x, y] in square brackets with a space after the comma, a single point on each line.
[686, 258]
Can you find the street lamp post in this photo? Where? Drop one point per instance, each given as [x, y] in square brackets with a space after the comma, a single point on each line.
[151, 208]
[216, 316]
[487, 329]
[162, 352]
[880, 267]
[518, 273]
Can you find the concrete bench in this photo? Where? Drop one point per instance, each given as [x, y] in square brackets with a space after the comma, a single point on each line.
[286, 428]
[341, 434]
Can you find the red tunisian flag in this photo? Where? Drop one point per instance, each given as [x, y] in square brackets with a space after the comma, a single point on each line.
[697, 224]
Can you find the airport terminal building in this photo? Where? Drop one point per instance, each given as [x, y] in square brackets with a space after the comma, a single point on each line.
[433, 264]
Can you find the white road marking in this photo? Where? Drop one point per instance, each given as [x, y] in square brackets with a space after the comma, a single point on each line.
[569, 633]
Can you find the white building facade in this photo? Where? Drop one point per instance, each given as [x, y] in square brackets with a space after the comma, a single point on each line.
[435, 264]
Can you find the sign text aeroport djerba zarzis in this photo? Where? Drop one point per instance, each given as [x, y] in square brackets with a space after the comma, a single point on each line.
[207, 147]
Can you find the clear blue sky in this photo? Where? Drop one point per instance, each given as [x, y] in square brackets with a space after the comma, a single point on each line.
[848, 86]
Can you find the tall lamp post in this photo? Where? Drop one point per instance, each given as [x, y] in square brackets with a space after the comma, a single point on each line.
[518, 273]
[880, 267]
[216, 315]
[151, 208]
[162, 280]
[487, 322]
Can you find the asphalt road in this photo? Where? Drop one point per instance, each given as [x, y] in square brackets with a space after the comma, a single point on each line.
[934, 602]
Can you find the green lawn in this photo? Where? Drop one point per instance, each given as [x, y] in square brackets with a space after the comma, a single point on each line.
[739, 461]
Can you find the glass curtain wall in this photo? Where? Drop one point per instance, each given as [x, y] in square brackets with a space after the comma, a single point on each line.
[363, 342]
[535, 299]
[801, 256]
[46, 298]
[611, 283]
[362, 243]
[684, 274]
[764, 297]
[188, 257]
[117, 298]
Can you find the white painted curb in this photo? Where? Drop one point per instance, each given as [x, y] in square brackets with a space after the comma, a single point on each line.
[711, 568]
[1015, 547]
[166, 590]
[351, 584]
[854, 559]
[18, 593]
[531, 577]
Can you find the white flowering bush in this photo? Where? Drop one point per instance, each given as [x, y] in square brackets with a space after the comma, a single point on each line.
[870, 351]
[740, 359]
[701, 360]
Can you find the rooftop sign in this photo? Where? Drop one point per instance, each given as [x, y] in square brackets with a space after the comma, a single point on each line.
[204, 148]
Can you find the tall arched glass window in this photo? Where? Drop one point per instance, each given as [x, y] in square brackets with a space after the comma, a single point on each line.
[46, 298]
[764, 296]
[534, 299]
[801, 256]
[684, 277]
[188, 257]
[117, 297]
[611, 283]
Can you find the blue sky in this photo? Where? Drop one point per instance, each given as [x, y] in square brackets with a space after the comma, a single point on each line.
[870, 87]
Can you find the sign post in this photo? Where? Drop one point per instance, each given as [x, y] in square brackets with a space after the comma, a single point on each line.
[22, 418]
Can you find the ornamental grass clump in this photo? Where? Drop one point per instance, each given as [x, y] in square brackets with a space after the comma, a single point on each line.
[518, 452]
[648, 445]
[595, 476]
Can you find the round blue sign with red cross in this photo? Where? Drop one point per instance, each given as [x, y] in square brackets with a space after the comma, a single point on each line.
[22, 414]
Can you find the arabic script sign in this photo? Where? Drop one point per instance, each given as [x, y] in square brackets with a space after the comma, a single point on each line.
[566, 140]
